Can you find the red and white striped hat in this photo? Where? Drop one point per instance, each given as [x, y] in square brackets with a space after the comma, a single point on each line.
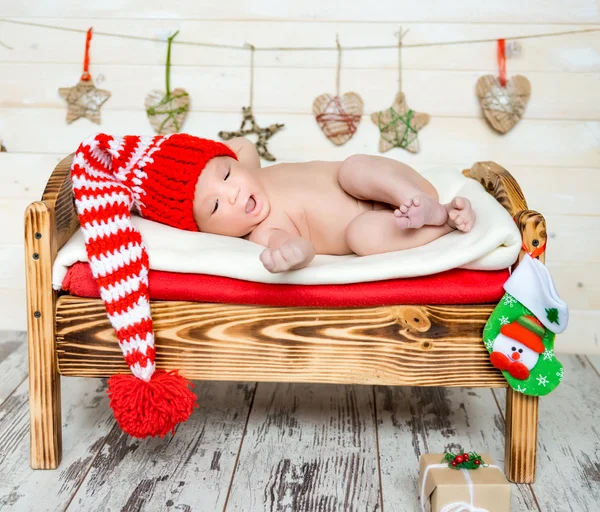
[155, 177]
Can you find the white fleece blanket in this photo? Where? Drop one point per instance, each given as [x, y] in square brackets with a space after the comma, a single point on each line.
[492, 244]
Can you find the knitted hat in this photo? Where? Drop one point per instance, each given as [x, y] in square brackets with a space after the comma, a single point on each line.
[155, 177]
[527, 330]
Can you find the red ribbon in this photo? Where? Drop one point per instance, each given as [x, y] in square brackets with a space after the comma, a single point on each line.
[502, 62]
[536, 252]
[86, 59]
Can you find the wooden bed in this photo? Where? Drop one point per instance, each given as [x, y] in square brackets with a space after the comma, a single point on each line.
[387, 345]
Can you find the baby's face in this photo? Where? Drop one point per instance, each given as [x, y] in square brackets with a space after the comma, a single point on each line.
[229, 199]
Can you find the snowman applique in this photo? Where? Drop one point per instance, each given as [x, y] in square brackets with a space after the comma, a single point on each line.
[518, 346]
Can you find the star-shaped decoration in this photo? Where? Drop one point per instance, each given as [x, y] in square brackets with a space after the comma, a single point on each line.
[399, 126]
[84, 100]
[263, 134]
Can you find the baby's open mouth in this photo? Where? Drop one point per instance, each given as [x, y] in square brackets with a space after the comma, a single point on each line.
[250, 205]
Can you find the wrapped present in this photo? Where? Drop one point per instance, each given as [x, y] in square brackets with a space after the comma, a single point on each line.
[445, 486]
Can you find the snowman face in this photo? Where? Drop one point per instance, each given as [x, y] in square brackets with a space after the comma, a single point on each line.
[515, 351]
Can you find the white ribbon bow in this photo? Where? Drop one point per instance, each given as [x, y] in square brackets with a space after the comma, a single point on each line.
[457, 506]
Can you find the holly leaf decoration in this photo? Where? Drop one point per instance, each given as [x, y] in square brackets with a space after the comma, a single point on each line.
[552, 315]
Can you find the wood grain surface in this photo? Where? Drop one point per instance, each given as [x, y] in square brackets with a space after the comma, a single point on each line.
[400, 345]
[44, 380]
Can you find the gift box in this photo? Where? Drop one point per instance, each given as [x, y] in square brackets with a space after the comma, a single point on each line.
[443, 488]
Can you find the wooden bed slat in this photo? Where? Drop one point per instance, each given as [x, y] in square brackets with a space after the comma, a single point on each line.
[393, 345]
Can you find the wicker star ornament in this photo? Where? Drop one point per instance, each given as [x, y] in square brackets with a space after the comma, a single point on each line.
[84, 99]
[399, 126]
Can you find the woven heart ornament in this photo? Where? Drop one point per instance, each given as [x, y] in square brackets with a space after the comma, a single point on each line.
[167, 112]
[338, 116]
[503, 107]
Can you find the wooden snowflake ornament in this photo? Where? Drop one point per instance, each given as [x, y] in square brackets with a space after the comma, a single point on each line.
[250, 127]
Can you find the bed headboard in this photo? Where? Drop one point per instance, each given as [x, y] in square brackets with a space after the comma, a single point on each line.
[58, 195]
[505, 189]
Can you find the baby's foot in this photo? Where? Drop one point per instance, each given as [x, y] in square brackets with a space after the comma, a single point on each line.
[460, 214]
[419, 211]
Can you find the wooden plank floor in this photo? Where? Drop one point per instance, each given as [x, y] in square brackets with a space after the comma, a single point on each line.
[290, 447]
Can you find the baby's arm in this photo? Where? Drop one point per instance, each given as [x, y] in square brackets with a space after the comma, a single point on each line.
[285, 251]
[245, 151]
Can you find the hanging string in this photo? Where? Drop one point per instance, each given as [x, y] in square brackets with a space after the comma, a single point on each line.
[400, 37]
[306, 48]
[168, 68]
[334, 114]
[339, 65]
[252, 48]
[501, 54]
[86, 57]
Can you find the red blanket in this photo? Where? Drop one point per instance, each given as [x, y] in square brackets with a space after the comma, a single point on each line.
[452, 287]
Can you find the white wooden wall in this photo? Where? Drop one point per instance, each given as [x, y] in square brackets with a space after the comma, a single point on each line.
[554, 152]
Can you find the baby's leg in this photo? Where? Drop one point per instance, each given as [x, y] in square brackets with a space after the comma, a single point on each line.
[376, 232]
[385, 180]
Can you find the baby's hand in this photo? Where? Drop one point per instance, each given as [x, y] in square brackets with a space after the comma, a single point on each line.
[291, 255]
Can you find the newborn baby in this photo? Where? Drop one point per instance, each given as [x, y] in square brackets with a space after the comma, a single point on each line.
[363, 205]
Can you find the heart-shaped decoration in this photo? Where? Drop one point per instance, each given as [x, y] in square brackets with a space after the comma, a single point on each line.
[167, 112]
[338, 116]
[503, 107]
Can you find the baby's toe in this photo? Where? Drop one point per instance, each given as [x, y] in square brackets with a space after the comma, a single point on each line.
[453, 215]
[403, 222]
[458, 202]
[465, 227]
[404, 208]
[416, 200]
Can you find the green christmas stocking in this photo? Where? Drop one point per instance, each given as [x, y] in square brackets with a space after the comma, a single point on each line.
[519, 335]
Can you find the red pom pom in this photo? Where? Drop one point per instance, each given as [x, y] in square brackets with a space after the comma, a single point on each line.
[152, 408]
[459, 459]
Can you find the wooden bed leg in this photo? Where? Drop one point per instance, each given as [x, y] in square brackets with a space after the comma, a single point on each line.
[44, 379]
[520, 436]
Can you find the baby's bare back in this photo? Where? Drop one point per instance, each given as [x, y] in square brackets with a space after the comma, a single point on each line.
[309, 195]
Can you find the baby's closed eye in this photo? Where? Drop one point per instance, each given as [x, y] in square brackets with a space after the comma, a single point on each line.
[217, 201]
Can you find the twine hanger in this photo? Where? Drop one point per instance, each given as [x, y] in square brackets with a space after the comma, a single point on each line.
[252, 50]
[304, 48]
[339, 65]
[400, 37]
